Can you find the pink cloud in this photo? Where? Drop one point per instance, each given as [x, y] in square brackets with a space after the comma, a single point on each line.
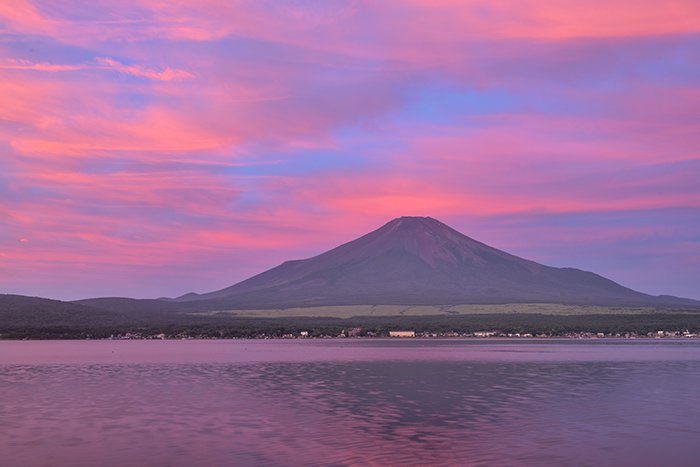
[101, 63]
[166, 74]
[442, 22]
[221, 154]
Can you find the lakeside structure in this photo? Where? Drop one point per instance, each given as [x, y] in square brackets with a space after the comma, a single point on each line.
[402, 333]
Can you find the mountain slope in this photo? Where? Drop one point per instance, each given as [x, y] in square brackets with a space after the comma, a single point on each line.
[19, 310]
[134, 307]
[419, 260]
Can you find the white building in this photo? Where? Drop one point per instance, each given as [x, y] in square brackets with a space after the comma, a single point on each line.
[402, 333]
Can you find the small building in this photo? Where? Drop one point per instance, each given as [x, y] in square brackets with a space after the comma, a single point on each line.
[402, 333]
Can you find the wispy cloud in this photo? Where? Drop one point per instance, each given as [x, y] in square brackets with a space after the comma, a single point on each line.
[164, 74]
[104, 64]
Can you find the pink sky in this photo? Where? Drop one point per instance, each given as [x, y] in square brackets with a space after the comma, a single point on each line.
[150, 148]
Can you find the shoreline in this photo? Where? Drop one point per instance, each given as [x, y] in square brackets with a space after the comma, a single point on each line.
[375, 338]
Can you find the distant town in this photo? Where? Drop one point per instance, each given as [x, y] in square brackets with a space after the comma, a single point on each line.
[359, 333]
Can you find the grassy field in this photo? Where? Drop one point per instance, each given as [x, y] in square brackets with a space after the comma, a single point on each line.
[351, 311]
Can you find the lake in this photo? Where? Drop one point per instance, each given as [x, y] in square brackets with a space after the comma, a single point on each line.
[350, 402]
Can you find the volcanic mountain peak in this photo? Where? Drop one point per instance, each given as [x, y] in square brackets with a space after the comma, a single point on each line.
[418, 260]
[415, 225]
[436, 244]
[423, 237]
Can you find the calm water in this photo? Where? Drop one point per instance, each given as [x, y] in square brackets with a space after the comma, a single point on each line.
[354, 402]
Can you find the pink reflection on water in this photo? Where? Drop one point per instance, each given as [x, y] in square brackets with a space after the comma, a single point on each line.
[360, 402]
[242, 351]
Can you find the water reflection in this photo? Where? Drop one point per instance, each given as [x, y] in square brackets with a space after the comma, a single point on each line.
[353, 412]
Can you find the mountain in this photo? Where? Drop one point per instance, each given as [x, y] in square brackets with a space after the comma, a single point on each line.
[421, 261]
[135, 307]
[19, 310]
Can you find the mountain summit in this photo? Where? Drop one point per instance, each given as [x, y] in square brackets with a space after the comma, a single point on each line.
[416, 261]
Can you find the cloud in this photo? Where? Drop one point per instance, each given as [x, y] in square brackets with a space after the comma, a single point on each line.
[166, 74]
[101, 63]
[142, 139]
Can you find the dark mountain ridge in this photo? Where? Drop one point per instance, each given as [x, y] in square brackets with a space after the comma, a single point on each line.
[408, 261]
[34, 311]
